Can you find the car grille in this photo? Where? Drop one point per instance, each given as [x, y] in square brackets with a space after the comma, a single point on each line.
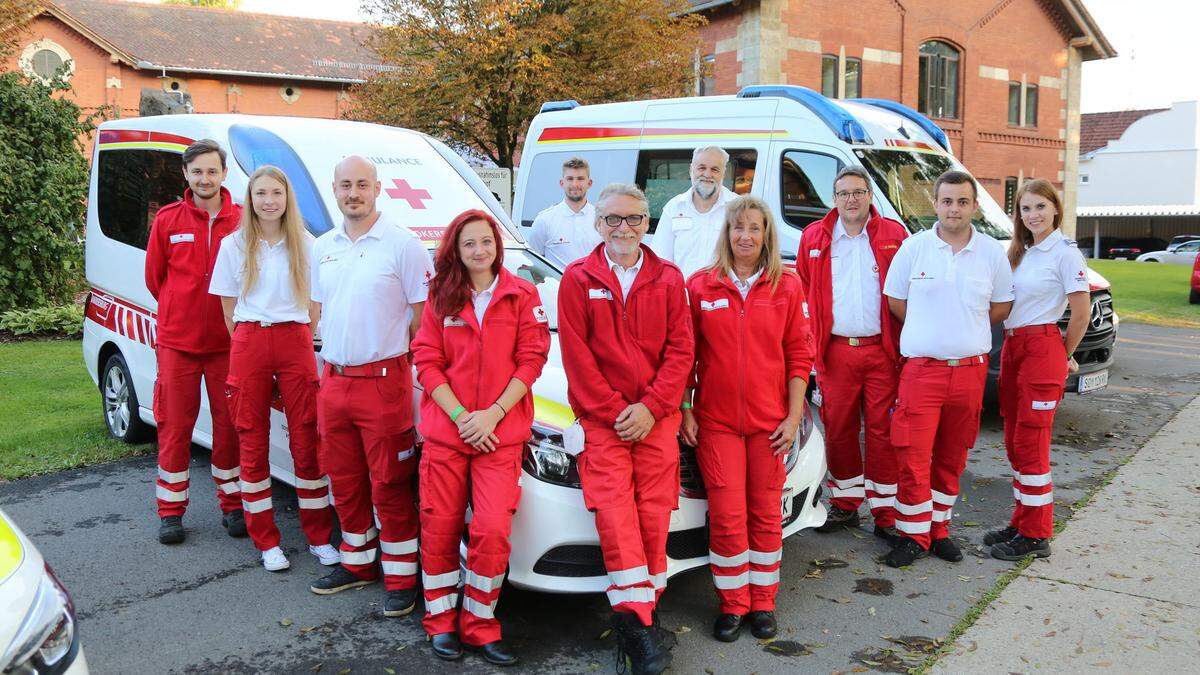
[691, 483]
[1097, 343]
[684, 544]
[572, 561]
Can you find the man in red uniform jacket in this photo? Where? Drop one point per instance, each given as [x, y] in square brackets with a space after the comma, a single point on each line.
[843, 261]
[192, 341]
[626, 338]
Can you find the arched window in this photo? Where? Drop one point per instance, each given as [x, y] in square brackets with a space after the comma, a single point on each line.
[43, 59]
[937, 94]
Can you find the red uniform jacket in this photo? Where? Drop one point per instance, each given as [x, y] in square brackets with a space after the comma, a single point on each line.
[478, 362]
[812, 263]
[179, 263]
[617, 353]
[747, 350]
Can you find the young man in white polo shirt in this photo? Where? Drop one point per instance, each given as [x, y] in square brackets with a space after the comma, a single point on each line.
[948, 285]
[370, 278]
[690, 223]
[566, 232]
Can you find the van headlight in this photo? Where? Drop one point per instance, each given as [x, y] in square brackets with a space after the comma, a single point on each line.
[546, 460]
[45, 644]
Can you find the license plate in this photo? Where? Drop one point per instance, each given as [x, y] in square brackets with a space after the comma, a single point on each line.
[787, 507]
[1093, 382]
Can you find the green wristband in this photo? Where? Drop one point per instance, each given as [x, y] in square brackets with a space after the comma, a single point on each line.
[685, 406]
[456, 412]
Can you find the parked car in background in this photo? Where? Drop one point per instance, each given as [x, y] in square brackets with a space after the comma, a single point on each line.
[1194, 298]
[1115, 248]
[1182, 239]
[1123, 252]
[1184, 254]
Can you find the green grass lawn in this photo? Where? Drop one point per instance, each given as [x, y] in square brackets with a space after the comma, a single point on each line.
[1150, 292]
[50, 417]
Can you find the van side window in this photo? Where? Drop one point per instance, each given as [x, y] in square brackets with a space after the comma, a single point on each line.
[806, 190]
[662, 174]
[542, 190]
[131, 186]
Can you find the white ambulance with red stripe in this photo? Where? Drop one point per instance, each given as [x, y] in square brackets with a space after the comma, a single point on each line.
[136, 169]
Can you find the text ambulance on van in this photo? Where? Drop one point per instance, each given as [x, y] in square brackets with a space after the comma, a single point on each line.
[786, 144]
[137, 168]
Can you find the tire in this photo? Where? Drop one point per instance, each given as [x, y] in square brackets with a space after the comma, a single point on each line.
[119, 403]
[1194, 298]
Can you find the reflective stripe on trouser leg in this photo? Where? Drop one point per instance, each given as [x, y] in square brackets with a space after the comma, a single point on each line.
[343, 460]
[250, 385]
[879, 395]
[765, 476]
[225, 447]
[494, 497]
[958, 429]
[722, 460]
[841, 415]
[444, 482]
[176, 403]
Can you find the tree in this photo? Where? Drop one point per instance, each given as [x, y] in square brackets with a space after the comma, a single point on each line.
[475, 72]
[43, 185]
[14, 19]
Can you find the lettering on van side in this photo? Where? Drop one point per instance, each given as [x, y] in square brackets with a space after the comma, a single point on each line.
[411, 161]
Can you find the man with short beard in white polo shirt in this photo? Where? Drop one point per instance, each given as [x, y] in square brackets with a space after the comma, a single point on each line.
[566, 232]
[690, 223]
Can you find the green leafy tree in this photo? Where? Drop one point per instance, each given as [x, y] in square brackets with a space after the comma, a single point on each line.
[14, 18]
[43, 185]
[475, 72]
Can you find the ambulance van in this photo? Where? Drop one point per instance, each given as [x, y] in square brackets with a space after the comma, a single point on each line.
[786, 144]
[136, 169]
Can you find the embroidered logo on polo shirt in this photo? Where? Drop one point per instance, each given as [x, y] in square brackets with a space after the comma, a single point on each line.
[453, 322]
[599, 294]
[922, 276]
[328, 258]
[539, 314]
[706, 306]
[181, 238]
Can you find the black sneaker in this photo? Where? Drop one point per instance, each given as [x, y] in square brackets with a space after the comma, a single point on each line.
[645, 653]
[946, 549]
[234, 523]
[837, 519]
[399, 602]
[904, 553]
[888, 534]
[340, 579]
[1020, 546]
[170, 530]
[999, 536]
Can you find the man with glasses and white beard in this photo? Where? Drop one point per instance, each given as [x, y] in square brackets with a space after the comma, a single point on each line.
[690, 223]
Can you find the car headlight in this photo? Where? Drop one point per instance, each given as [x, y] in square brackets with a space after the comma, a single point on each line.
[45, 643]
[802, 436]
[546, 460]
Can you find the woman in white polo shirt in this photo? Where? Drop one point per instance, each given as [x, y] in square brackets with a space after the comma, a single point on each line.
[262, 275]
[1049, 275]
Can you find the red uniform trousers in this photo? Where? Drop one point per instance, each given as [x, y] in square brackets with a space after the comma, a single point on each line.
[632, 489]
[1033, 372]
[450, 478]
[262, 358]
[744, 480]
[364, 416]
[935, 423]
[176, 406]
[858, 387]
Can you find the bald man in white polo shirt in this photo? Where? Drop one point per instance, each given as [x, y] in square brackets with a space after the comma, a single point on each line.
[948, 285]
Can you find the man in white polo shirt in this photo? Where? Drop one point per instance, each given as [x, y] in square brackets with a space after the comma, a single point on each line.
[566, 232]
[370, 278]
[690, 223]
[948, 285]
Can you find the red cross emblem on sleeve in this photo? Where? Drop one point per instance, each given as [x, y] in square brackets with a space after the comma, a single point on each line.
[414, 196]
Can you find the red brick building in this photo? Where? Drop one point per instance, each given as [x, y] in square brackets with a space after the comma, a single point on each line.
[1001, 77]
[226, 61]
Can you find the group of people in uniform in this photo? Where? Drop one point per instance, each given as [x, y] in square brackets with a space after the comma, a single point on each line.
[704, 337]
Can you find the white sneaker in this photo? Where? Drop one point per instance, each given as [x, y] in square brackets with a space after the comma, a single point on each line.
[274, 560]
[326, 554]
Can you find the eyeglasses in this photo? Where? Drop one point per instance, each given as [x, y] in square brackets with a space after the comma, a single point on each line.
[846, 194]
[633, 220]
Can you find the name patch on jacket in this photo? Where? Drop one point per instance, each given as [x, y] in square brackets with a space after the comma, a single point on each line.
[706, 306]
[539, 314]
[599, 294]
[814, 253]
[183, 237]
[453, 321]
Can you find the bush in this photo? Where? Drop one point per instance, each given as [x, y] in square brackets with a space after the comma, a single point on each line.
[43, 184]
[52, 321]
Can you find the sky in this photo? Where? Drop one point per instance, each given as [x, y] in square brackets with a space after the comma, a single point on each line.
[1152, 70]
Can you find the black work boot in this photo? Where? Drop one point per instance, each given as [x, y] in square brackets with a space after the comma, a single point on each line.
[497, 653]
[904, 553]
[946, 549]
[399, 602]
[170, 530]
[727, 627]
[837, 519]
[645, 652]
[762, 624]
[234, 523]
[999, 536]
[446, 646]
[1020, 546]
[340, 579]
[889, 534]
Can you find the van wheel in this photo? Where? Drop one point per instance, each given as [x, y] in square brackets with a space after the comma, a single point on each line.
[120, 404]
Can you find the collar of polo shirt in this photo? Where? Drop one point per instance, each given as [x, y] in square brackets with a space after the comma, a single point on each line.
[942, 243]
[1049, 242]
[372, 233]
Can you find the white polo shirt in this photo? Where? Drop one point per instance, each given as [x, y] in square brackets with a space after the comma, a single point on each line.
[949, 294]
[271, 300]
[481, 299]
[564, 236]
[366, 289]
[625, 275]
[743, 287]
[1047, 273]
[855, 277]
[687, 237]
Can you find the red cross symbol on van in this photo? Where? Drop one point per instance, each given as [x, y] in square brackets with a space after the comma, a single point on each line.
[414, 196]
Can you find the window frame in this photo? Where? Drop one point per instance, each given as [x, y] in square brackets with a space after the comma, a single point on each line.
[857, 79]
[111, 216]
[783, 211]
[825, 58]
[933, 87]
[703, 84]
[1031, 106]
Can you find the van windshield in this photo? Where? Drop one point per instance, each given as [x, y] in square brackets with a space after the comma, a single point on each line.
[907, 178]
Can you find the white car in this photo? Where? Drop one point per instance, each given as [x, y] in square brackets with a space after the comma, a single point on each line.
[136, 169]
[38, 632]
[1183, 254]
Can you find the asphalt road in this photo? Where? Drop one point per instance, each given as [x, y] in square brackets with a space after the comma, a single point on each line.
[207, 606]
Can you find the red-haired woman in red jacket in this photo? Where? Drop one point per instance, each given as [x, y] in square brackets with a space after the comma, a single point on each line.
[483, 340]
[753, 357]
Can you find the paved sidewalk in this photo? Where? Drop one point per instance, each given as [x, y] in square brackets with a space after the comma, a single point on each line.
[1122, 590]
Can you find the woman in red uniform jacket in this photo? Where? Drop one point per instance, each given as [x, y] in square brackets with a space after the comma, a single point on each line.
[483, 340]
[753, 356]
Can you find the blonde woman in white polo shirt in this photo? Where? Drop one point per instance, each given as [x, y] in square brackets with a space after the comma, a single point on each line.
[261, 275]
[1049, 275]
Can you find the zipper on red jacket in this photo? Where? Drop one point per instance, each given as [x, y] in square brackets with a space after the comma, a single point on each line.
[741, 351]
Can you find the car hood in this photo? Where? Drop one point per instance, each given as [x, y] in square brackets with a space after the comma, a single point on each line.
[1096, 281]
[21, 569]
[550, 406]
